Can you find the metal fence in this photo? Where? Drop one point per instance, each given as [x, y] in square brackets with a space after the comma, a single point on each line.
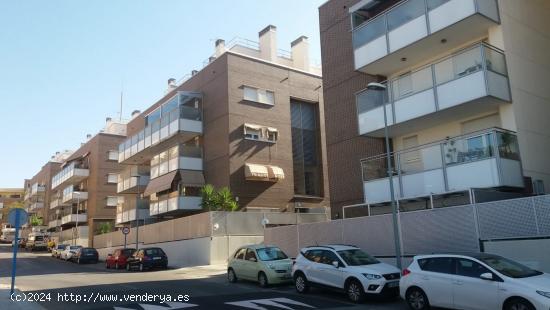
[451, 229]
[216, 223]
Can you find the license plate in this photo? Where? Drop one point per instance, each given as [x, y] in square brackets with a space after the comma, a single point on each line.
[393, 284]
[157, 258]
[89, 255]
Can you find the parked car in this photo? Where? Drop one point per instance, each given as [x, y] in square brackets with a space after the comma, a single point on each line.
[85, 255]
[147, 258]
[56, 251]
[69, 251]
[474, 281]
[261, 263]
[118, 259]
[36, 241]
[346, 268]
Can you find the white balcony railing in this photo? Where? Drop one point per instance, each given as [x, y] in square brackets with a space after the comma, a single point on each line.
[407, 30]
[72, 196]
[479, 72]
[37, 189]
[71, 174]
[485, 159]
[54, 223]
[174, 203]
[36, 206]
[130, 215]
[181, 113]
[74, 218]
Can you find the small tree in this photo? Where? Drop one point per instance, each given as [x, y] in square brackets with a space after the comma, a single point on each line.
[208, 194]
[104, 228]
[225, 201]
[36, 220]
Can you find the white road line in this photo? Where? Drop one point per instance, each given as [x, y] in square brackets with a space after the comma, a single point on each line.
[275, 302]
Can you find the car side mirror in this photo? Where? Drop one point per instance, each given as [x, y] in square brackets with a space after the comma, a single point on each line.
[487, 276]
[335, 264]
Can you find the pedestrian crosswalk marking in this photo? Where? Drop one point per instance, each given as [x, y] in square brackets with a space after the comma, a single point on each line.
[171, 306]
[274, 302]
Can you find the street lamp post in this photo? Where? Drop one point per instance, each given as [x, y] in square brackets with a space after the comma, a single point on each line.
[382, 88]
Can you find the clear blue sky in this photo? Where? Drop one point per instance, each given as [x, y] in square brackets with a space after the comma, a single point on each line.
[62, 63]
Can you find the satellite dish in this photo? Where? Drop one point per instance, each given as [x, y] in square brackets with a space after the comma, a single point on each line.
[216, 226]
[265, 221]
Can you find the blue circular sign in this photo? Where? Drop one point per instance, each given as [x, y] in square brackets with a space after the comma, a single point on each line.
[125, 230]
[12, 216]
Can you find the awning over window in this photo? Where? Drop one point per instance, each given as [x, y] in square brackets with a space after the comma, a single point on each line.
[160, 184]
[256, 172]
[252, 126]
[271, 129]
[276, 173]
[191, 178]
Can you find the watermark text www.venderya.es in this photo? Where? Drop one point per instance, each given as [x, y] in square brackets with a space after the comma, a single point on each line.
[97, 297]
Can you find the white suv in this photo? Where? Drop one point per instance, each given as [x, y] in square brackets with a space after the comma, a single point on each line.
[476, 281]
[345, 268]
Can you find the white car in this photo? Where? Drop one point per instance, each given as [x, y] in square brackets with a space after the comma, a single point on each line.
[476, 281]
[69, 251]
[346, 268]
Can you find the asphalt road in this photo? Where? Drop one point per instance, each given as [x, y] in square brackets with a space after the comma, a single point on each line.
[94, 287]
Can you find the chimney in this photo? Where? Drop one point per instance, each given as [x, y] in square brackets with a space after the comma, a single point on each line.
[268, 43]
[300, 53]
[171, 83]
[89, 136]
[194, 72]
[211, 59]
[57, 153]
[135, 113]
[108, 120]
[220, 47]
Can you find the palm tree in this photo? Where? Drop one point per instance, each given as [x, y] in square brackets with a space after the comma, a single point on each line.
[225, 201]
[208, 194]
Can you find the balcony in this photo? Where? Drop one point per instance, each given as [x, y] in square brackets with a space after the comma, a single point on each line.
[487, 159]
[179, 119]
[57, 202]
[74, 218]
[36, 206]
[131, 184]
[130, 216]
[71, 174]
[54, 224]
[184, 156]
[428, 96]
[171, 204]
[70, 196]
[414, 31]
[37, 189]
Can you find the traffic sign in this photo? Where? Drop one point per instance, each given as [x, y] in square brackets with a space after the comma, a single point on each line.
[125, 230]
[12, 217]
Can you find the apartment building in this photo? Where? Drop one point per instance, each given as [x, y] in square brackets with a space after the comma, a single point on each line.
[250, 120]
[465, 100]
[9, 196]
[84, 195]
[38, 189]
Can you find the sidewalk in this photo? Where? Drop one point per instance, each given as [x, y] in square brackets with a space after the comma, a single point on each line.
[7, 303]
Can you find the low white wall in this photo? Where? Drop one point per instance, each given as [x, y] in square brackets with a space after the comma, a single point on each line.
[194, 252]
[533, 253]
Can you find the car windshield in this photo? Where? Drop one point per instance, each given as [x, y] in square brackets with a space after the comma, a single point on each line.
[152, 252]
[38, 238]
[88, 250]
[509, 267]
[357, 257]
[61, 247]
[127, 252]
[270, 254]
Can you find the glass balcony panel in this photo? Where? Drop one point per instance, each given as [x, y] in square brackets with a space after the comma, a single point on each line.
[405, 13]
[147, 142]
[154, 171]
[488, 8]
[367, 33]
[190, 151]
[168, 107]
[508, 146]
[419, 160]
[141, 141]
[468, 149]
[432, 4]
[174, 121]
[164, 124]
[190, 113]
[155, 133]
[134, 147]
[412, 83]
[495, 61]
[459, 65]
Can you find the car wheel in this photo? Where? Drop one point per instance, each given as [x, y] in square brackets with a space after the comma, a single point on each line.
[106, 265]
[231, 276]
[417, 299]
[262, 279]
[300, 282]
[355, 291]
[518, 304]
[140, 267]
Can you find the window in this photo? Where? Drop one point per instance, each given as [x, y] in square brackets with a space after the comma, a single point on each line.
[508, 267]
[306, 149]
[250, 254]
[260, 133]
[251, 133]
[112, 178]
[469, 268]
[258, 95]
[240, 253]
[437, 264]
[112, 201]
[112, 155]
[153, 117]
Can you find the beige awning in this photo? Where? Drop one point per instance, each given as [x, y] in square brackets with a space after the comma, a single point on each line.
[276, 173]
[160, 184]
[271, 129]
[192, 178]
[256, 171]
[252, 126]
